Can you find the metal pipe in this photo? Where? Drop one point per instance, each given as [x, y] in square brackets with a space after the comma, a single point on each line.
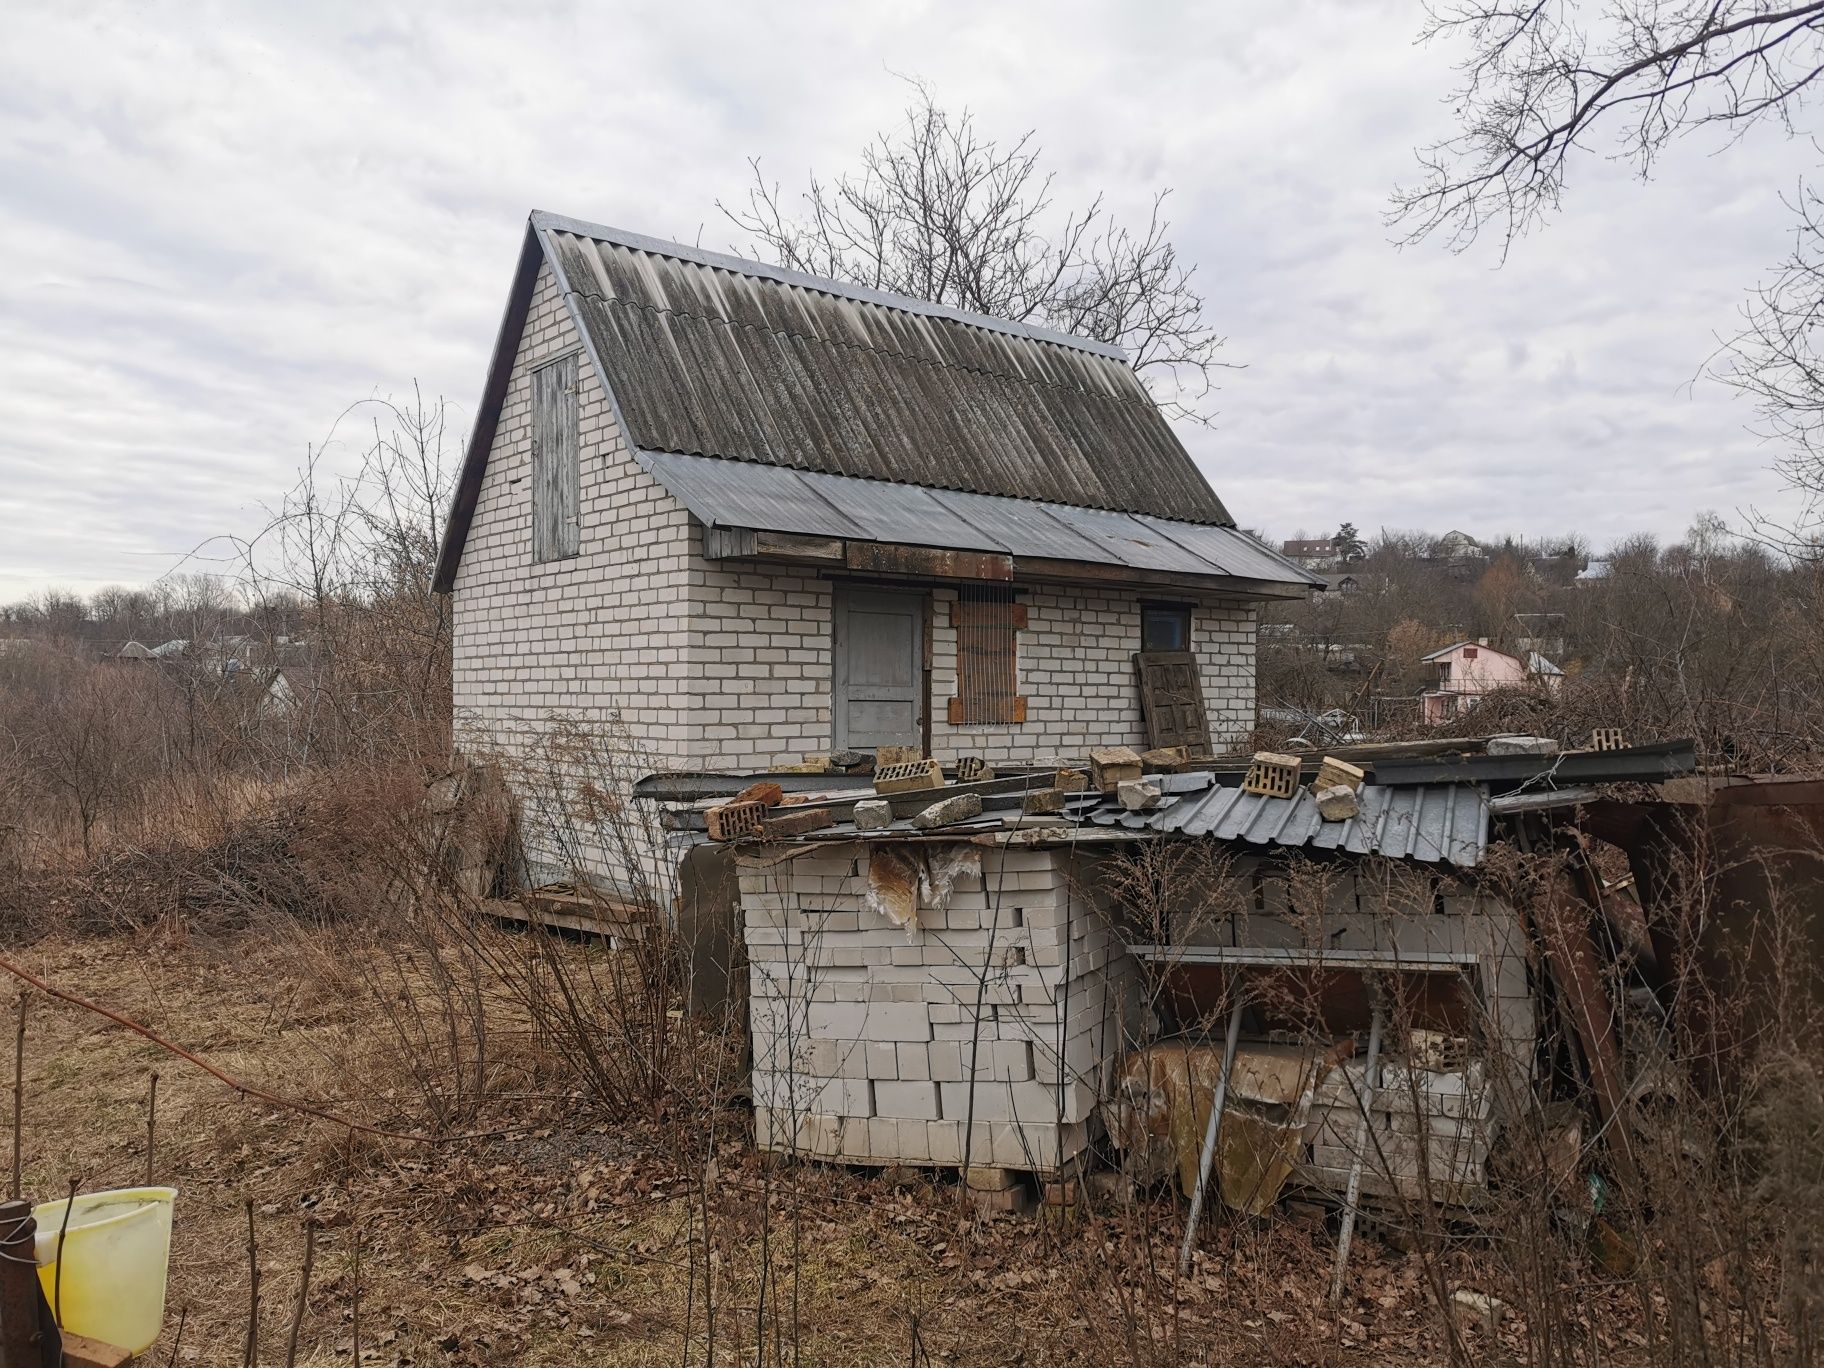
[1366, 1101]
[1210, 1133]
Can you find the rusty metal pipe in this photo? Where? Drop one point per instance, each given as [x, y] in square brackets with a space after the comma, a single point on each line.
[1210, 1132]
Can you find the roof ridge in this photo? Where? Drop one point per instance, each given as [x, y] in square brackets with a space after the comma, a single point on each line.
[866, 294]
[1141, 399]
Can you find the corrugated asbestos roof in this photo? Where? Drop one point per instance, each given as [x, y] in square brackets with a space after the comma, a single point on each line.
[1438, 823]
[711, 355]
[771, 498]
[708, 355]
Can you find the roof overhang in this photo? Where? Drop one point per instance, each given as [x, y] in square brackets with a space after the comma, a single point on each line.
[754, 511]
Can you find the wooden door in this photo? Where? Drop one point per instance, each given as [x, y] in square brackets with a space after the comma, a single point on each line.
[877, 659]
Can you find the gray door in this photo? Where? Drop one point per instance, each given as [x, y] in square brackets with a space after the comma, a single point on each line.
[878, 664]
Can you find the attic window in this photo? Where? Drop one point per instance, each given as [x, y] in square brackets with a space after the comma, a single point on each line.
[556, 474]
[1469, 653]
[987, 623]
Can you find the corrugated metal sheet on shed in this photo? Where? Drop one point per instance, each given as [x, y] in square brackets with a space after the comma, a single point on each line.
[1439, 823]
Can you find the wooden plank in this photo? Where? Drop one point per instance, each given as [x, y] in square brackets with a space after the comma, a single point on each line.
[556, 470]
[934, 562]
[976, 613]
[79, 1351]
[508, 910]
[788, 546]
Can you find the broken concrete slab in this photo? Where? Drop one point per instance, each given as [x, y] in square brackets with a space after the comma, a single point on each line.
[1043, 800]
[959, 808]
[1164, 757]
[1338, 803]
[972, 769]
[1522, 745]
[1137, 795]
[873, 814]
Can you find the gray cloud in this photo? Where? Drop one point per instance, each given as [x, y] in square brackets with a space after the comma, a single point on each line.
[222, 224]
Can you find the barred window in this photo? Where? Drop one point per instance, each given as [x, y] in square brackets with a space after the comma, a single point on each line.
[987, 623]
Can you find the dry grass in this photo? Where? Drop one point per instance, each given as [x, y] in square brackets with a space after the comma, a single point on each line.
[571, 1240]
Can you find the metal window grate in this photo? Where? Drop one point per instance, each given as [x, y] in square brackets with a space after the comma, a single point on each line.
[987, 620]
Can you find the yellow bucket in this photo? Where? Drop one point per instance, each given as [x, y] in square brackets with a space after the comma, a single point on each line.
[116, 1251]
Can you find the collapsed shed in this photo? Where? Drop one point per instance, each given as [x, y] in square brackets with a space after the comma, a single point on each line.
[1031, 990]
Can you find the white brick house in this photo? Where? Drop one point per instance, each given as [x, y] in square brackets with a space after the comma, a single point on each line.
[754, 515]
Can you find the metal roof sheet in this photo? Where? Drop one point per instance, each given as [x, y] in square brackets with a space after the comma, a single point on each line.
[773, 499]
[1442, 823]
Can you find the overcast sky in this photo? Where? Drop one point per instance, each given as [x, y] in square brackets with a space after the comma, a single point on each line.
[221, 224]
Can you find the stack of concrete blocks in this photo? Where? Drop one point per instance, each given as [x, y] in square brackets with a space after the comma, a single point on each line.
[1428, 1138]
[980, 1036]
[1397, 908]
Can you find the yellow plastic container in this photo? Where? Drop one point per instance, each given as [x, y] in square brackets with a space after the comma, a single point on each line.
[116, 1252]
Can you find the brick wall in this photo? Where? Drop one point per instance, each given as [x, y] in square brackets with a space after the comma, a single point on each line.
[761, 679]
[1076, 670]
[601, 636]
[988, 1026]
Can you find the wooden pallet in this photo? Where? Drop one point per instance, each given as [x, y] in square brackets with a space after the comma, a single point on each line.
[562, 906]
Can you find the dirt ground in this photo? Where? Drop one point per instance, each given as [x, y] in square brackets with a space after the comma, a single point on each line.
[562, 1237]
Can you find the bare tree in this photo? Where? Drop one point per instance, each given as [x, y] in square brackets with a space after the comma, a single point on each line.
[1775, 360]
[1545, 78]
[940, 211]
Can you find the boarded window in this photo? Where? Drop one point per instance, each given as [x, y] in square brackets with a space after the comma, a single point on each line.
[1469, 653]
[987, 623]
[1165, 627]
[556, 473]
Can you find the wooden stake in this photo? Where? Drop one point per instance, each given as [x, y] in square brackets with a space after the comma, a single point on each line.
[178, 1339]
[18, 1092]
[250, 1356]
[151, 1127]
[357, 1297]
[297, 1317]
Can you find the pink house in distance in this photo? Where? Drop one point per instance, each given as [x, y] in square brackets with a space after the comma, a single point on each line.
[1470, 669]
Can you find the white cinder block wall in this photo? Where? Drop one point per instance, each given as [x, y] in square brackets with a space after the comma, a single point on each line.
[1400, 909]
[983, 1034]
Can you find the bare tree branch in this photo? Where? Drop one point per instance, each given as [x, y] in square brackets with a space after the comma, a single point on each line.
[1541, 79]
[939, 211]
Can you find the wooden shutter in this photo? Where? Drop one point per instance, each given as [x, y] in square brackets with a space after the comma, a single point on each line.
[1171, 699]
[987, 623]
[556, 472]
